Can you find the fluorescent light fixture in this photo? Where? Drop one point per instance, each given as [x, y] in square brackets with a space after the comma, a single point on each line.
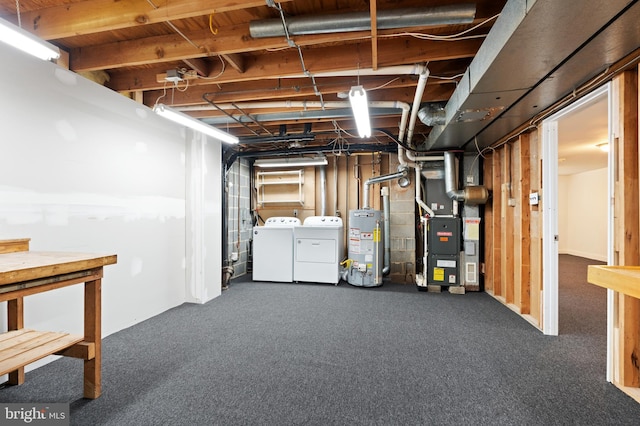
[603, 146]
[27, 42]
[290, 162]
[360, 107]
[194, 123]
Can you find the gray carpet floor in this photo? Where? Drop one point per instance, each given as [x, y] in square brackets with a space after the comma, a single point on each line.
[312, 354]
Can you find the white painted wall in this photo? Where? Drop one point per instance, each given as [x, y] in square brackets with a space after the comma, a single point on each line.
[85, 169]
[583, 214]
[563, 214]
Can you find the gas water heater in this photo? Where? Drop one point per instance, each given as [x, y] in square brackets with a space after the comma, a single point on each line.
[366, 249]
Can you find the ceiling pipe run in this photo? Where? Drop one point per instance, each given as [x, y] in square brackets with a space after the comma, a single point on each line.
[422, 84]
[417, 99]
[310, 109]
[292, 104]
[361, 21]
[415, 69]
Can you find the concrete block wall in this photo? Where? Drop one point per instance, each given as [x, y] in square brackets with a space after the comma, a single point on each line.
[239, 216]
[402, 230]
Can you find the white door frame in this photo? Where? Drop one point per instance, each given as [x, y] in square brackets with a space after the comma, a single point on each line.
[550, 227]
[550, 215]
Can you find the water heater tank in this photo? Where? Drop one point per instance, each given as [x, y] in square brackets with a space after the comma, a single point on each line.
[366, 248]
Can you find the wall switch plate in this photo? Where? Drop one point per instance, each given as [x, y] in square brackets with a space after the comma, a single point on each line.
[534, 199]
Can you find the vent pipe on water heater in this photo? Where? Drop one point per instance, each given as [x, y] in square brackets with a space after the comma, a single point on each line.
[402, 172]
[323, 190]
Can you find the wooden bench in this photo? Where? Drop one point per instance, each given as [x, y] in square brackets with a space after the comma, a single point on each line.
[22, 347]
[623, 346]
[24, 273]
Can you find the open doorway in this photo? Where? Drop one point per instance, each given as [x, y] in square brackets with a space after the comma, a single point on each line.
[583, 141]
[576, 177]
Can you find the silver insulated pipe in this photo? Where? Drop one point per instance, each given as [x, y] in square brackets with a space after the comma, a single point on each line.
[361, 21]
[450, 177]
[323, 190]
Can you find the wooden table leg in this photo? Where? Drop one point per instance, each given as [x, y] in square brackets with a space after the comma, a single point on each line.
[93, 333]
[15, 317]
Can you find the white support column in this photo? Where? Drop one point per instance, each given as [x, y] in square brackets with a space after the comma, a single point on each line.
[203, 210]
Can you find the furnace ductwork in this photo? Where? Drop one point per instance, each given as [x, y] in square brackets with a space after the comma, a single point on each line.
[433, 114]
[470, 194]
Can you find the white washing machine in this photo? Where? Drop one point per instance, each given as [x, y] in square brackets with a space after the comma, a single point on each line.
[319, 248]
[273, 249]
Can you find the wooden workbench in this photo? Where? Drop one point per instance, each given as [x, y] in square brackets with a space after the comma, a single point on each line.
[624, 351]
[24, 273]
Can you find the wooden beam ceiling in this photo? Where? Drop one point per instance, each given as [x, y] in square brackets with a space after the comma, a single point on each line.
[133, 44]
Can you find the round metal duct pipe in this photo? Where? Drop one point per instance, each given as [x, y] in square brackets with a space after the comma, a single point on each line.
[433, 114]
[361, 21]
[470, 194]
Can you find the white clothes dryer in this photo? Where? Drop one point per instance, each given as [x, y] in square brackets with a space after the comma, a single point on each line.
[319, 248]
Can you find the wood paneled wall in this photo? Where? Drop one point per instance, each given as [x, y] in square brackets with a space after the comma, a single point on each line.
[513, 227]
[626, 315]
[352, 171]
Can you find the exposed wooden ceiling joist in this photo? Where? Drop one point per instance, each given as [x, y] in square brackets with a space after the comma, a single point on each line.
[134, 43]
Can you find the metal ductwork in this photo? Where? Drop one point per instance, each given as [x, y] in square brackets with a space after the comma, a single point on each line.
[361, 21]
[433, 114]
[323, 190]
[474, 194]
[516, 74]
[402, 172]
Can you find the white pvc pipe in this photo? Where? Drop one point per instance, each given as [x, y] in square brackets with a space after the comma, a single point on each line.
[297, 104]
[422, 83]
[411, 156]
[425, 249]
[403, 161]
[403, 119]
[418, 192]
[415, 69]
[423, 220]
